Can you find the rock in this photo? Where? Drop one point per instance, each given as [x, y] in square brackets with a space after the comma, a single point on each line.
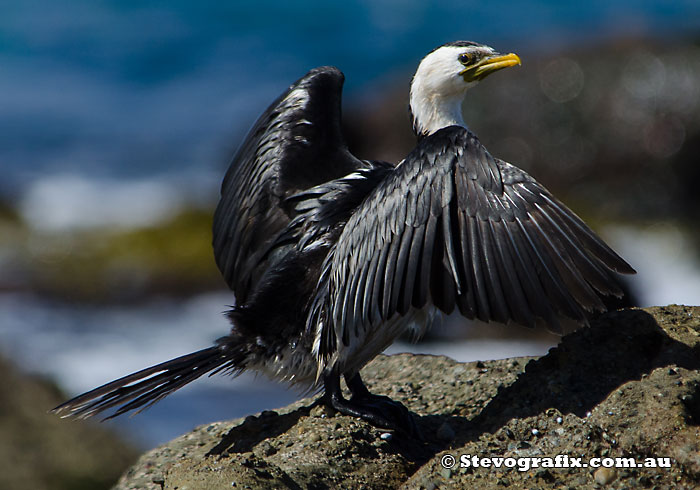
[603, 476]
[637, 372]
[40, 451]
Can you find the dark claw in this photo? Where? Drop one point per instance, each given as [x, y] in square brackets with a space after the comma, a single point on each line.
[380, 411]
[399, 416]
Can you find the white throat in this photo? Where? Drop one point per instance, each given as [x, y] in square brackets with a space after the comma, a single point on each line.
[432, 112]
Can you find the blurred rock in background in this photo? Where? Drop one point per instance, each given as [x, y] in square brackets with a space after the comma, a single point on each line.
[39, 451]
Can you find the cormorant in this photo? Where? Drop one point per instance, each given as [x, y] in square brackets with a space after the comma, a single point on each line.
[331, 258]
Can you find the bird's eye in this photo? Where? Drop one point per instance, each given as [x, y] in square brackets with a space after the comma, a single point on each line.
[465, 58]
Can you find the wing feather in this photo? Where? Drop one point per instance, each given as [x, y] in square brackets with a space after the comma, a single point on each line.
[296, 144]
[590, 240]
[412, 269]
[389, 274]
[515, 296]
[477, 266]
[426, 261]
[378, 286]
[566, 266]
[450, 248]
[594, 272]
[452, 225]
[528, 271]
[370, 284]
[497, 297]
[467, 301]
[401, 266]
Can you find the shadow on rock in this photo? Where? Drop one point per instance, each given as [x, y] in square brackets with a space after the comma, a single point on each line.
[581, 372]
[244, 437]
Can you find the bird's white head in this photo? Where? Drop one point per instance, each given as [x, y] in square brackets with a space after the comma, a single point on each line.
[444, 76]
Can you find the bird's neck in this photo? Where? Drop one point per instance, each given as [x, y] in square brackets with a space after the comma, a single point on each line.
[432, 112]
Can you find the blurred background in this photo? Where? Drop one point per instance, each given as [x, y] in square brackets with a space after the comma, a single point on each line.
[118, 120]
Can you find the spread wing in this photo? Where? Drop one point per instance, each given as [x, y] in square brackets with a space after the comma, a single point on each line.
[453, 226]
[296, 144]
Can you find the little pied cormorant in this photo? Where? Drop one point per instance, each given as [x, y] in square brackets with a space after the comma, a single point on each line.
[331, 258]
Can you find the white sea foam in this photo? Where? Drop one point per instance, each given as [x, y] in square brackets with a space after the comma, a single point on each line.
[60, 202]
[668, 269]
[82, 347]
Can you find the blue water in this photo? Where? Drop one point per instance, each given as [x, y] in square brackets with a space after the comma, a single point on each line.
[128, 89]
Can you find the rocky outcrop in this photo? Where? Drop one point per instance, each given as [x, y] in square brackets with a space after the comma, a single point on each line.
[627, 387]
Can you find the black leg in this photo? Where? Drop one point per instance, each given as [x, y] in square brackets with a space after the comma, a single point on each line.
[357, 386]
[380, 411]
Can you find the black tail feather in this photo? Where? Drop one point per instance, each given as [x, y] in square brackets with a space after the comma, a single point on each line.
[142, 389]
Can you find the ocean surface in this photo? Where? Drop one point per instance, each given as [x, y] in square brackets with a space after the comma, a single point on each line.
[164, 90]
[123, 111]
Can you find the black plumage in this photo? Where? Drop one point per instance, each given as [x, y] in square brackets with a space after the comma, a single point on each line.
[331, 257]
[296, 144]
